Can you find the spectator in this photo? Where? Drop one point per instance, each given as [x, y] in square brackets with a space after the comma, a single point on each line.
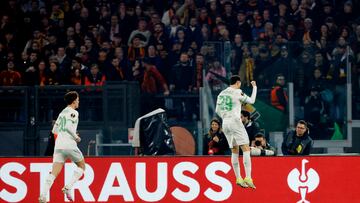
[158, 36]
[182, 75]
[247, 67]
[193, 30]
[71, 49]
[136, 48]
[238, 53]
[79, 34]
[200, 67]
[172, 29]
[215, 75]
[139, 12]
[54, 77]
[64, 64]
[346, 14]
[91, 51]
[204, 18]
[30, 75]
[317, 80]
[205, 34]
[263, 64]
[137, 71]
[290, 32]
[285, 65]
[182, 81]
[155, 59]
[83, 70]
[327, 11]
[127, 19]
[309, 35]
[153, 81]
[120, 72]
[43, 73]
[38, 38]
[260, 147]
[51, 48]
[243, 26]
[215, 142]
[104, 63]
[181, 38]
[49, 151]
[167, 64]
[258, 30]
[155, 19]
[314, 110]
[279, 98]
[251, 127]
[338, 74]
[114, 27]
[229, 17]
[124, 63]
[298, 141]
[95, 78]
[75, 77]
[141, 32]
[314, 106]
[172, 11]
[10, 77]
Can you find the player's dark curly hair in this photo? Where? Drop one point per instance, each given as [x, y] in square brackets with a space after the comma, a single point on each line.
[234, 79]
[70, 97]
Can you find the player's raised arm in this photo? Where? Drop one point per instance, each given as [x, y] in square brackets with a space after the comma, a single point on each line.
[250, 100]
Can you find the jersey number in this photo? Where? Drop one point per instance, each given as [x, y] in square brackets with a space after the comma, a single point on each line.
[225, 103]
[62, 123]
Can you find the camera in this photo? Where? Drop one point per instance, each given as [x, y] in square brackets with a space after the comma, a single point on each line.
[258, 143]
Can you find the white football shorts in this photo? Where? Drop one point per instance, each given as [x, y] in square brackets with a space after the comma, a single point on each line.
[235, 132]
[61, 155]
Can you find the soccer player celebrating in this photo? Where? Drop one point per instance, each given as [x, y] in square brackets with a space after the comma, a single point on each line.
[65, 146]
[228, 107]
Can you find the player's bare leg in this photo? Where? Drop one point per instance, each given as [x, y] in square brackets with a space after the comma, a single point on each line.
[236, 166]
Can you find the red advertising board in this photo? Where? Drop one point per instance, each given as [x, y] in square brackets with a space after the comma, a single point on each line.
[188, 179]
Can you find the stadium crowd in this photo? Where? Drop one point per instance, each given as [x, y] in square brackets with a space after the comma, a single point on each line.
[161, 44]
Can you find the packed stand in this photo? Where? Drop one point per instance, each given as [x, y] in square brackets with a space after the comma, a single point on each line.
[162, 45]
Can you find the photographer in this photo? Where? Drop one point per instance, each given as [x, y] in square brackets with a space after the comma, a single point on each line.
[298, 141]
[260, 147]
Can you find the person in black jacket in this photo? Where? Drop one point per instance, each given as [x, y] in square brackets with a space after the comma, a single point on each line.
[252, 128]
[298, 141]
[51, 142]
[215, 141]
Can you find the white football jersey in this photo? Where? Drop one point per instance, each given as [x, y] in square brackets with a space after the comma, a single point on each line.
[229, 101]
[65, 128]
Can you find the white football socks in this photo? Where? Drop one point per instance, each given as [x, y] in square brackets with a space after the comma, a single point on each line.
[47, 185]
[247, 163]
[235, 164]
[78, 172]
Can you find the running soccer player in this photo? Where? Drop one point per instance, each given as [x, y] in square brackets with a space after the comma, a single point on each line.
[228, 107]
[65, 146]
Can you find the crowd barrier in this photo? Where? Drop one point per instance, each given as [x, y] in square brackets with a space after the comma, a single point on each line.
[187, 179]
